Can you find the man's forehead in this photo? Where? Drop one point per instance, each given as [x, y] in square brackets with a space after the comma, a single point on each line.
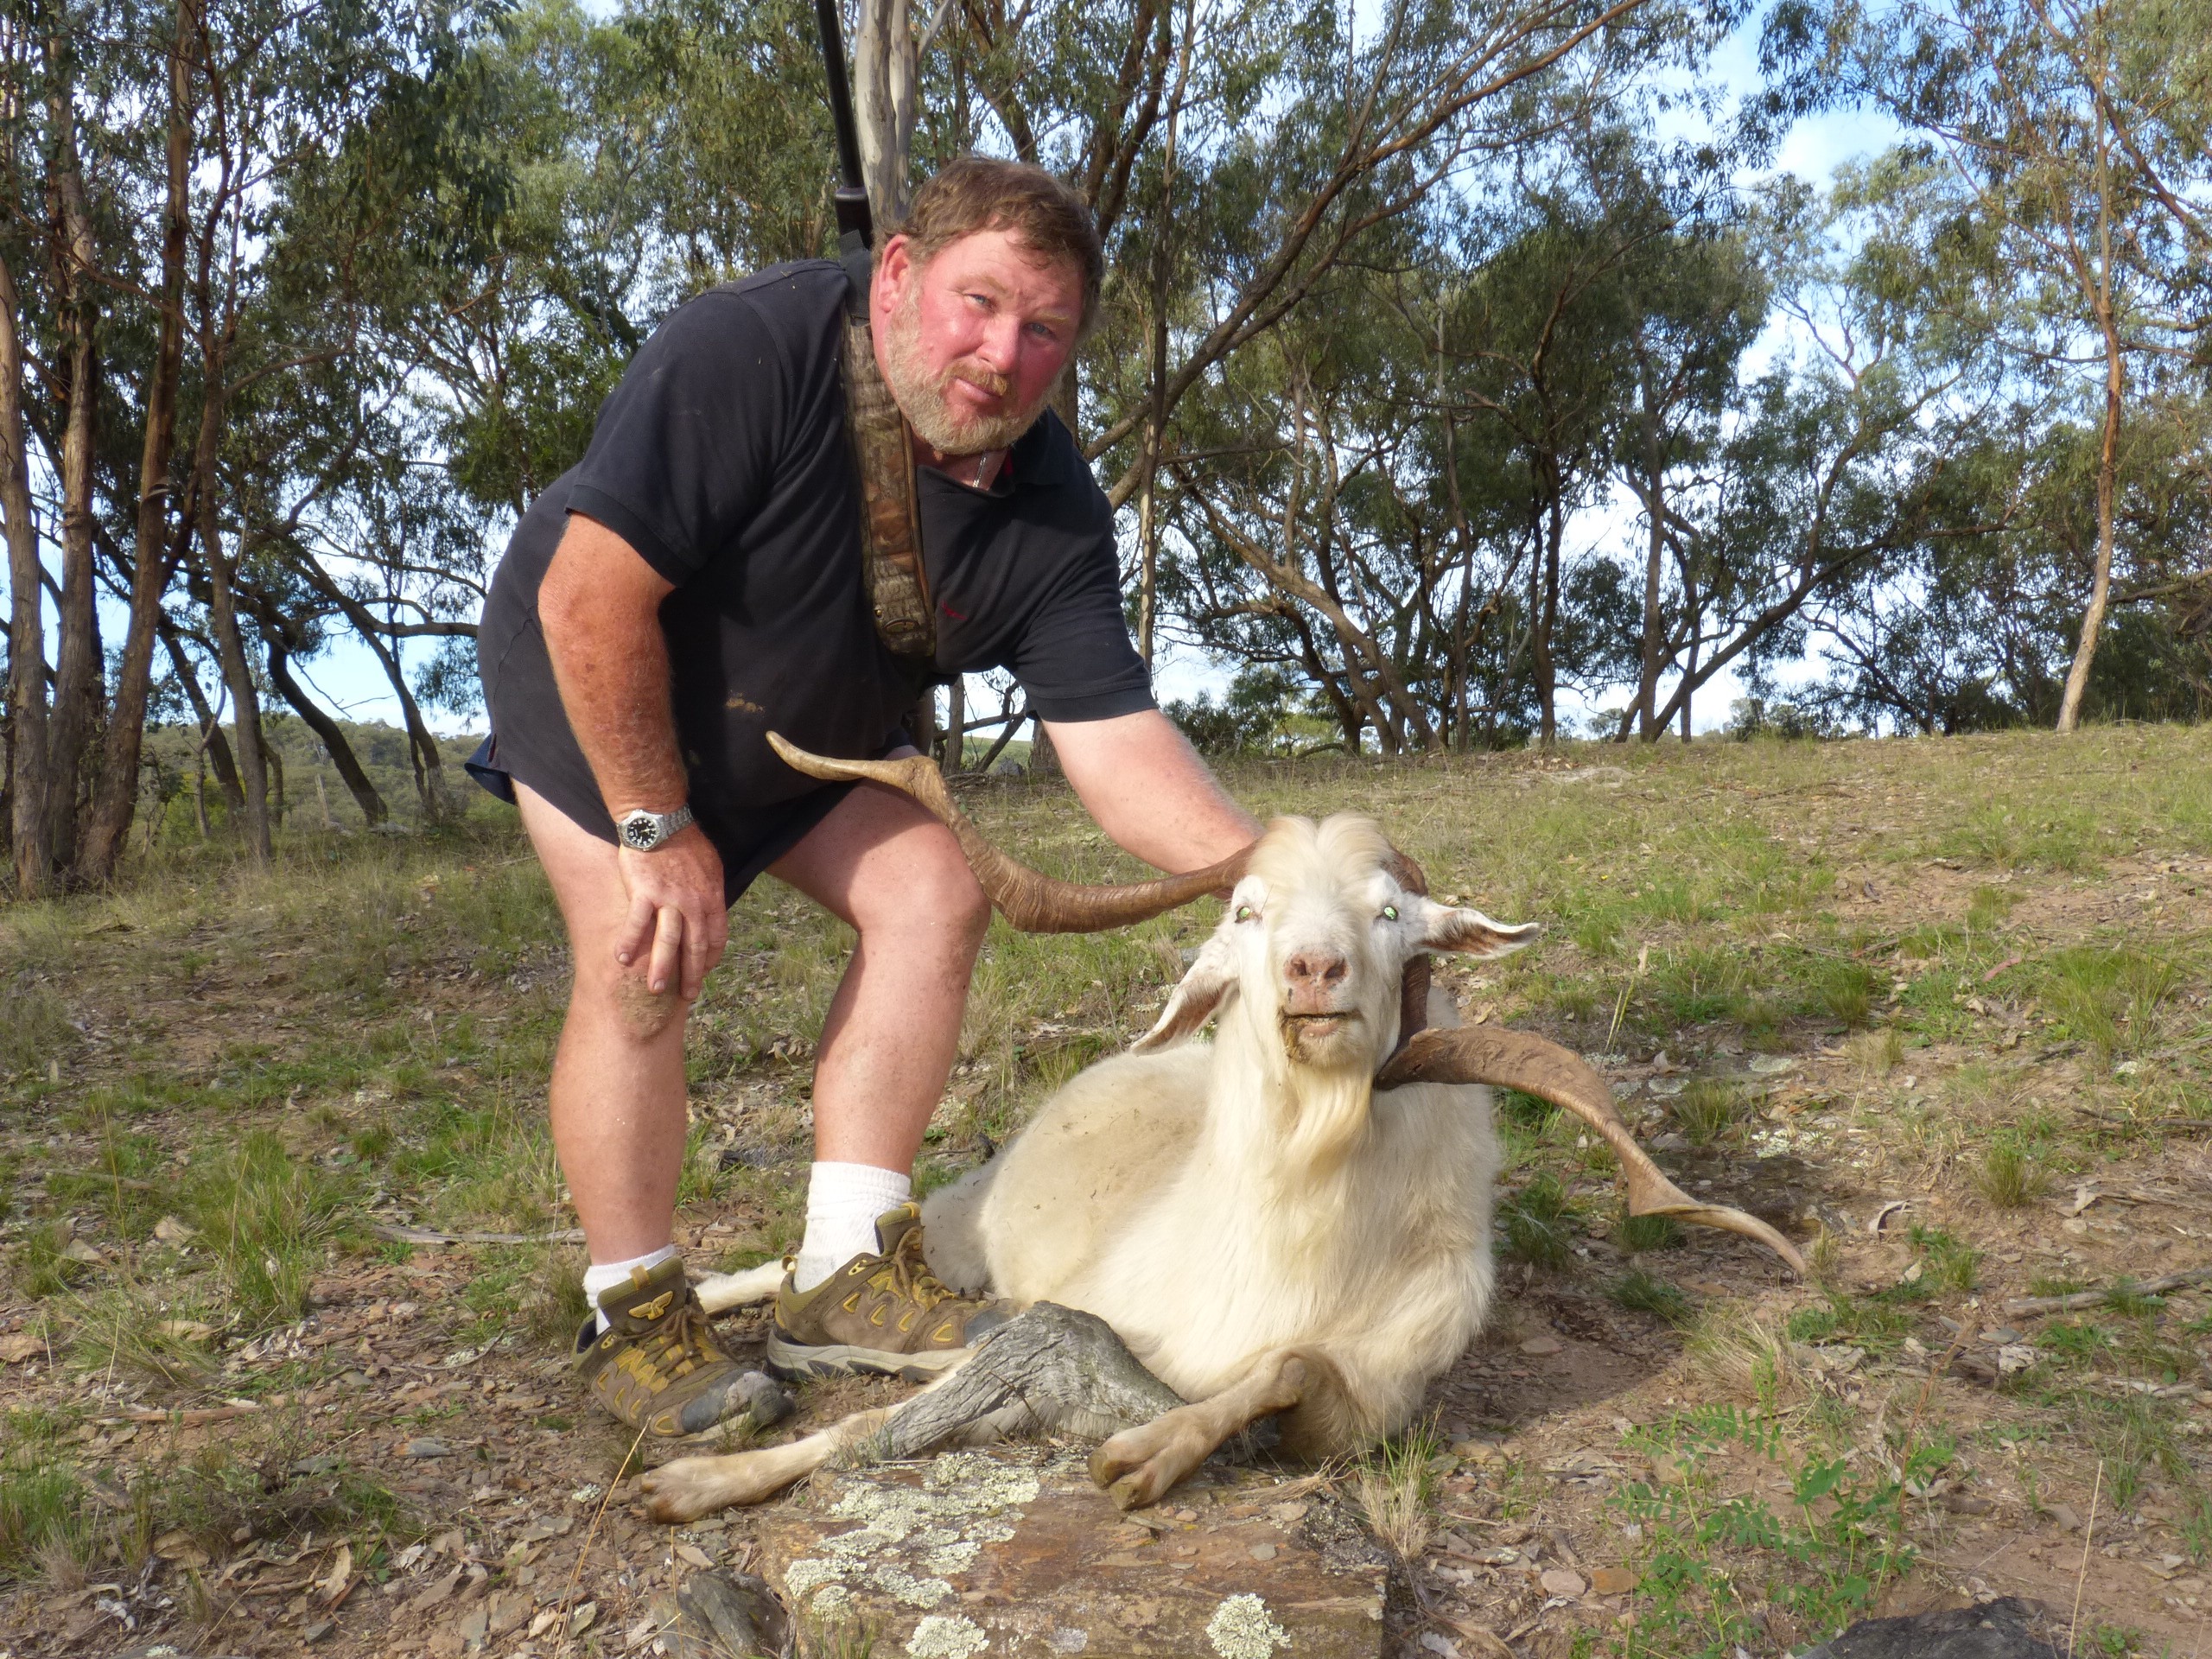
[996, 258]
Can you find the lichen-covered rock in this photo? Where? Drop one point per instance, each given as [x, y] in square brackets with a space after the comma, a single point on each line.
[1015, 1553]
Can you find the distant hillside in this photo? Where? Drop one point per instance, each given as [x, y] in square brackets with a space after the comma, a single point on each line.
[180, 781]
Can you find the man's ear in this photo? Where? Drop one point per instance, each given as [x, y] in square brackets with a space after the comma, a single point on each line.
[1444, 928]
[1207, 983]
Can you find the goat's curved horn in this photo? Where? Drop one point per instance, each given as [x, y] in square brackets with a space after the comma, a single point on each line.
[1517, 1059]
[1029, 899]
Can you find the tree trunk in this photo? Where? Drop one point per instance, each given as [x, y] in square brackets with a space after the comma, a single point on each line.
[956, 724]
[1543, 610]
[921, 722]
[116, 796]
[1043, 762]
[332, 738]
[213, 746]
[884, 108]
[30, 855]
[422, 747]
[2093, 619]
[230, 651]
[77, 690]
[1655, 506]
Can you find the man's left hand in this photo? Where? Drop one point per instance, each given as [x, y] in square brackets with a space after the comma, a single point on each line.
[675, 910]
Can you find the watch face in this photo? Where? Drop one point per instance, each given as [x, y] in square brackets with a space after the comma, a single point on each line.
[639, 832]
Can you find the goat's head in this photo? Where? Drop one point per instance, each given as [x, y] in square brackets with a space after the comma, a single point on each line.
[1312, 951]
[1310, 884]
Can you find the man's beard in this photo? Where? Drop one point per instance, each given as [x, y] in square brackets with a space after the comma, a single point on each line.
[922, 395]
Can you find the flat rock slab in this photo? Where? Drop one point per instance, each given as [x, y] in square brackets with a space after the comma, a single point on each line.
[2010, 1628]
[1014, 1553]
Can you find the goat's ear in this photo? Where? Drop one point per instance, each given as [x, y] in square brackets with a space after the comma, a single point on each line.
[1444, 928]
[1210, 981]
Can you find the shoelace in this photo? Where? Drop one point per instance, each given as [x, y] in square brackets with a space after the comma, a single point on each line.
[682, 1339]
[910, 1276]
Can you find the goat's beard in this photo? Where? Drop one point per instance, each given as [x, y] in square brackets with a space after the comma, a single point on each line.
[921, 392]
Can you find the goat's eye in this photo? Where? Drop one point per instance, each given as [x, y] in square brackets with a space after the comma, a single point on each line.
[1389, 912]
[1244, 912]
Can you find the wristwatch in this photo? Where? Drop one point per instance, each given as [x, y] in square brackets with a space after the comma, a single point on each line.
[643, 831]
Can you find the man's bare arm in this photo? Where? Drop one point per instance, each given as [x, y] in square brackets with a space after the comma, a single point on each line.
[1140, 777]
[600, 607]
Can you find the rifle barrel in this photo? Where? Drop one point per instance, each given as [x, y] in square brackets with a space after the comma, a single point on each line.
[854, 216]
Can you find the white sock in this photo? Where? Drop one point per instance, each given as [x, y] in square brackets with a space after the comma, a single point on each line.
[843, 1203]
[603, 1276]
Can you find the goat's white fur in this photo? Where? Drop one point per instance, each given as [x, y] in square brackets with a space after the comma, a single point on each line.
[1230, 1207]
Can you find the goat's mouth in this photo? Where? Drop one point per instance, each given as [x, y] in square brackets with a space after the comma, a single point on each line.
[1306, 1036]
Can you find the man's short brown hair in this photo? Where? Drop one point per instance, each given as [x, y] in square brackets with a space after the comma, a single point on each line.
[979, 193]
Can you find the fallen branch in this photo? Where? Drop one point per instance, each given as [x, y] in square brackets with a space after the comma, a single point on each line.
[2031, 1306]
[184, 1418]
[424, 1235]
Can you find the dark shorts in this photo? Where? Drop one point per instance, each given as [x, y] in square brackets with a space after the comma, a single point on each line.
[745, 854]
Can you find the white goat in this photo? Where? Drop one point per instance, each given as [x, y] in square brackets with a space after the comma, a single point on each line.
[1265, 1230]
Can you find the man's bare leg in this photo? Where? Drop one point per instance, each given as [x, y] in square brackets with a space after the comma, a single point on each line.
[617, 1093]
[896, 876]
[879, 862]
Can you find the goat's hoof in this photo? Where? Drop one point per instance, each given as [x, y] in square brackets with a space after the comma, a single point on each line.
[682, 1491]
[1136, 1467]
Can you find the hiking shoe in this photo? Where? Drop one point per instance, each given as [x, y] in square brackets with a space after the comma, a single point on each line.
[656, 1366]
[884, 1314]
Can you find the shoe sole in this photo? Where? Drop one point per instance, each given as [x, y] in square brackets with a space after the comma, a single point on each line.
[795, 1362]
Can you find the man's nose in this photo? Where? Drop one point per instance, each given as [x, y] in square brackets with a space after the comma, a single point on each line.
[1001, 345]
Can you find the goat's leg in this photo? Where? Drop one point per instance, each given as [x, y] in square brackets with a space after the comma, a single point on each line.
[1051, 1367]
[690, 1487]
[1138, 1465]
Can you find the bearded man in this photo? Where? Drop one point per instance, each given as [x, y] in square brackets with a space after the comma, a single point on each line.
[696, 581]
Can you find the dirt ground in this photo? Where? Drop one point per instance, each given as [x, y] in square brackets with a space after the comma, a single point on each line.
[1938, 1009]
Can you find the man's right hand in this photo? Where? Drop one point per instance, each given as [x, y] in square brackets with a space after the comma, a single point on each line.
[676, 911]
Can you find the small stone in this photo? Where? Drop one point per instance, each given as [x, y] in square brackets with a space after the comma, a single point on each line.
[1539, 1347]
[692, 1556]
[1265, 1552]
[425, 1446]
[1612, 1580]
[1562, 1581]
[316, 1632]
[2064, 1514]
[170, 1230]
[471, 1625]
[581, 1620]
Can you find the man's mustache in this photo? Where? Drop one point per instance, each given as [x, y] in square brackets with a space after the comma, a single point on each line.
[978, 375]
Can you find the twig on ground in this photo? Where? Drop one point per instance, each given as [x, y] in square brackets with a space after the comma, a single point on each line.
[567, 1603]
[2031, 1306]
[424, 1235]
[186, 1418]
[2088, 1536]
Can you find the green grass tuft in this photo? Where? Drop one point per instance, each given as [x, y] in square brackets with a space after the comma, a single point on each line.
[1540, 1222]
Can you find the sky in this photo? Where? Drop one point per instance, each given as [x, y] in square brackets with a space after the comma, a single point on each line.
[349, 680]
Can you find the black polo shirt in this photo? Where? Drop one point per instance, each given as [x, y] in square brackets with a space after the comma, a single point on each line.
[721, 458]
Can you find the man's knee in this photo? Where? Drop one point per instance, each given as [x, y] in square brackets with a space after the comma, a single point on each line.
[638, 1013]
[940, 901]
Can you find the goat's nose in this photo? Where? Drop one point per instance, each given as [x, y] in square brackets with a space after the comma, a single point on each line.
[1316, 970]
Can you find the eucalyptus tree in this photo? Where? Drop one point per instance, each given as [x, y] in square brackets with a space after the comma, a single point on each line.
[2035, 105]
